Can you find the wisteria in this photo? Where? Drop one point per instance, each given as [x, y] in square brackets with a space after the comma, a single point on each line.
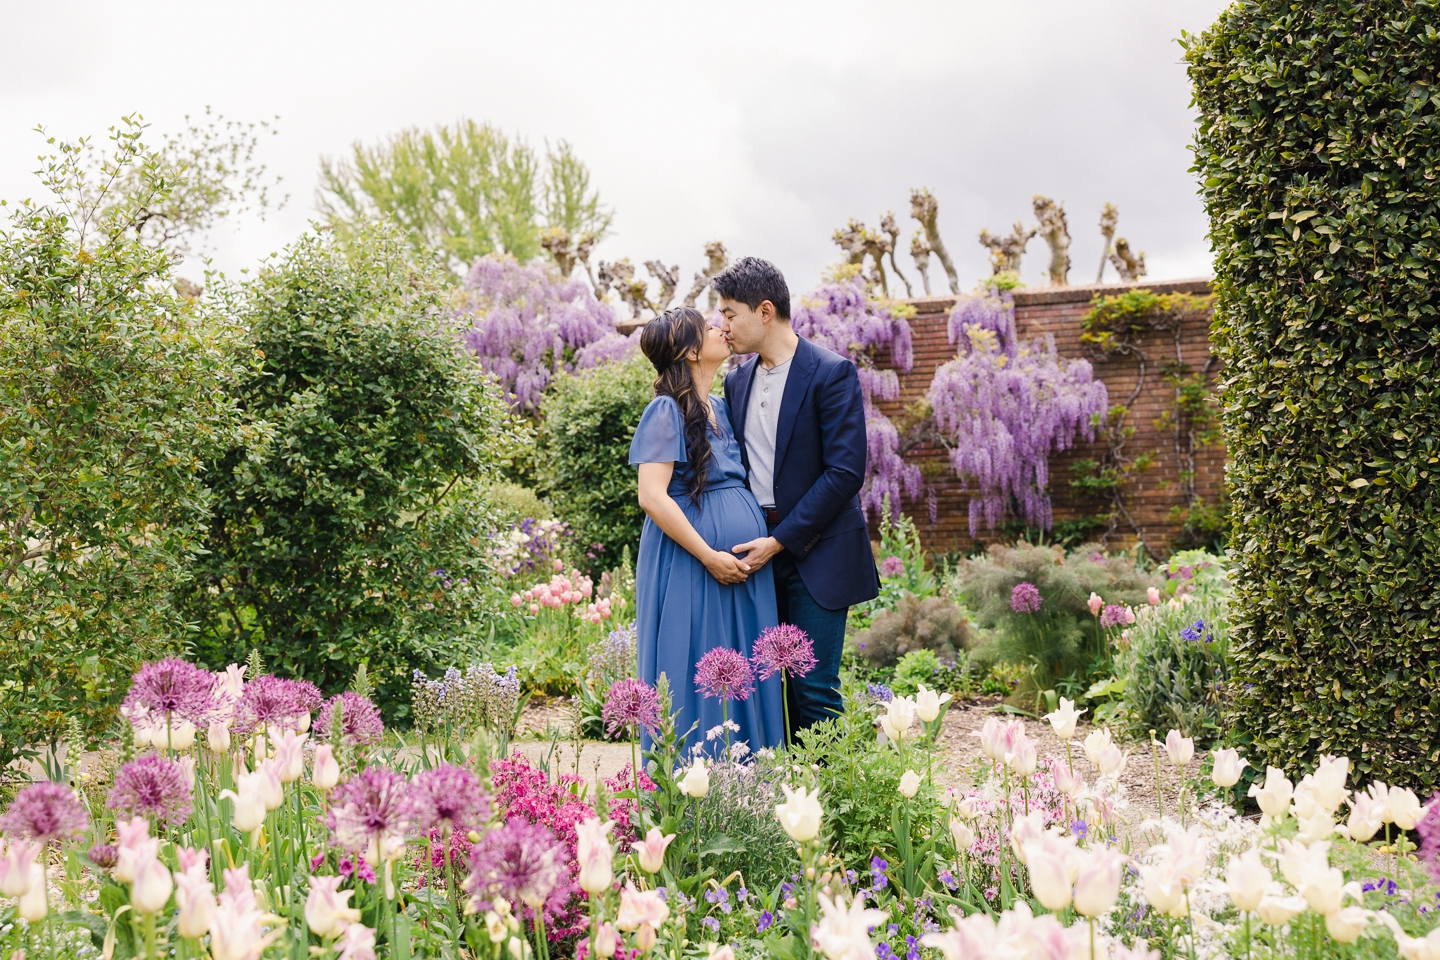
[840, 316]
[528, 325]
[1004, 407]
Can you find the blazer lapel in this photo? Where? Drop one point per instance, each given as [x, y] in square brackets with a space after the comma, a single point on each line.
[744, 380]
[802, 371]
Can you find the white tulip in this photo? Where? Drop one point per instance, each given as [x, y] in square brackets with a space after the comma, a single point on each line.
[1164, 889]
[16, 859]
[1322, 891]
[249, 804]
[219, 735]
[1404, 808]
[1328, 783]
[1064, 718]
[696, 781]
[928, 703]
[1049, 876]
[909, 784]
[844, 934]
[151, 888]
[272, 793]
[326, 772]
[1178, 748]
[1344, 926]
[1228, 764]
[961, 833]
[1096, 743]
[182, 735]
[1111, 761]
[33, 903]
[800, 814]
[1366, 817]
[1021, 758]
[1246, 879]
[1274, 796]
[1276, 911]
[1097, 885]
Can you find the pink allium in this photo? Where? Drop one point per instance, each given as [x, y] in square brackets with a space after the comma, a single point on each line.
[151, 787]
[270, 700]
[360, 723]
[103, 855]
[783, 649]
[522, 862]
[1116, 615]
[375, 803]
[1025, 598]
[172, 689]
[892, 566]
[450, 797]
[44, 811]
[1429, 830]
[724, 674]
[631, 705]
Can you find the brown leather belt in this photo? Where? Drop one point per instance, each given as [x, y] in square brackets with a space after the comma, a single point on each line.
[771, 514]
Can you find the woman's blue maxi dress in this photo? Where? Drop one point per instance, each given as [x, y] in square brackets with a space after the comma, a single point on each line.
[681, 611]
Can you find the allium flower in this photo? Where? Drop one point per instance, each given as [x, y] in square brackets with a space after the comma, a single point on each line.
[172, 690]
[519, 861]
[1429, 830]
[151, 787]
[1116, 615]
[892, 566]
[724, 674]
[360, 723]
[103, 855]
[43, 812]
[783, 649]
[1025, 598]
[448, 796]
[372, 805]
[631, 705]
[272, 701]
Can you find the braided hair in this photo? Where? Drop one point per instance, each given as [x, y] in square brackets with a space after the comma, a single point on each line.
[665, 341]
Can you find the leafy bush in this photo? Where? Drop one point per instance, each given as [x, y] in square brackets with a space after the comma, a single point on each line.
[590, 419]
[1175, 659]
[902, 565]
[1317, 150]
[934, 624]
[355, 534]
[915, 668]
[112, 397]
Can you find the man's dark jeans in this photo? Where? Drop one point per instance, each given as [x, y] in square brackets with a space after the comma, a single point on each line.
[815, 696]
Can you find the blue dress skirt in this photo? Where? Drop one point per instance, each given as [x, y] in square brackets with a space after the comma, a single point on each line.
[681, 611]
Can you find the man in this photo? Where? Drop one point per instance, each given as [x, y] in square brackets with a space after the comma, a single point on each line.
[800, 420]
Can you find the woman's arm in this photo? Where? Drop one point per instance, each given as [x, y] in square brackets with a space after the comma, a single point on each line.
[657, 503]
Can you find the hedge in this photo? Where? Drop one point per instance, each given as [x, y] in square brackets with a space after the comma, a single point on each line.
[1317, 151]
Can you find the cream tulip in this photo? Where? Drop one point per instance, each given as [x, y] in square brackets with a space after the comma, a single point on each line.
[650, 852]
[909, 784]
[604, 940]
[272, 792]
[1276, 911]
[1246, 878]
[1328, 782]
[1365, 817]
[218, 735]
[195, 898]
[1274, 796]
[1112, 760]
[1164, 889]
[961, 833]
[1067, 781]
[1404, 808]
[325, 773]
[1180, 749]
[1025, 829]
[290, 756]
[928, 704]
[181, 735]
[1021, 758]
[1323, 890]
[1227, 767]
[1097, 885]
[594, 855]
[1096, 743]
[16, 859]
[1345, 925]
[327, 908]
[249, 805]
[800, 814]
[696, 782]
[150, 890]
[1049, 875]
[135, 845]
[34, 904]
[1064, 719]
[638, 909]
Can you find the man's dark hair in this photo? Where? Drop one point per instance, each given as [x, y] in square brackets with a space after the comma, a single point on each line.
[752, 281]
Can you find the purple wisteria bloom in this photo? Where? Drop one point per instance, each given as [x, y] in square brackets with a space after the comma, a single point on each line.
[44, 811]
[372, 805]
[360, 723]
[783, 649]
[631, 705]
[270, 701]
[152, 787]
[1025, 598]
[449, 797]
[520, 861]
[725, 675]
[171, 690]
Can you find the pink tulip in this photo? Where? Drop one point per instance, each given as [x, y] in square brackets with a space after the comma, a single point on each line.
[1095, 604]
[1153, 596]
[651, 851]
[196, 899]
[16, 859]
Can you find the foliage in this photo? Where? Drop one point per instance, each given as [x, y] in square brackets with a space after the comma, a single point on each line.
[528, 325]
[1317, 151]
[462, 192]
[112, 399]
[585, 473]
[1175, 659]
[934, 624]
[1115, 321]
[354, 535]
[1001, 408]
[900, 547]
[841, 316]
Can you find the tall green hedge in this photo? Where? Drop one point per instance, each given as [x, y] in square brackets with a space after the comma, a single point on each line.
[1317, 149]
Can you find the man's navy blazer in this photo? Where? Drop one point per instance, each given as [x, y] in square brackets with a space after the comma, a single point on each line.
[820, 452]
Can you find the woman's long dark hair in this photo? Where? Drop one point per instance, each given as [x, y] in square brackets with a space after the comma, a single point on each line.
[665, 341]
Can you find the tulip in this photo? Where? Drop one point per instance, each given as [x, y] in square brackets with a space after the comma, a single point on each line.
[1323, 890]
[928, 703]
[800, 814]
[645, 938]
[1112, 760]
[963, 836]
[1023, 830]
[357, 943]
[1179, 749]
[1095, 603]
[1227, 767]
[1413, 948]
[196, 899]
[517, 948]
[696, 782]
[33, 904]
[1152, 596]
[1274, 796]
[909, 784]
[1366, 817]
[272, 794]
[1276, 911]
[1300, 863]
[193, 860]
[1328, 785]
[991, 734]
[1097, 885]
[135, 845]
[249, 805]
[1344, 926]
[150, 890]
[16, 859]
[1315, 828]
[1066, 781]
[302, 722]
[1063, 719]
[1164, 889]
[327, 908]
[326, 772]
[290, 756]
[594, 855]
[1404, 808]
[1246, 879]
[968, 808]
[1049, 875]
[1096, 743]
[725, 952]
[650, 852]
[637, 908]
[843, 932]
[1021, 758]
[181, 735]
[604, 940]
[898, 718]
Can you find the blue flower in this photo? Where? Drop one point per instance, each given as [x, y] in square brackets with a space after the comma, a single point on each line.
[879, 692]
[883, 951]
[947, 879]
[1080, 828]
[1193, 632]
[711, 923]
[763, 924]
[742, 894]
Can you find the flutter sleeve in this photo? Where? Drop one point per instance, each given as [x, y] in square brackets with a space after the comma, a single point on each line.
[660, 437]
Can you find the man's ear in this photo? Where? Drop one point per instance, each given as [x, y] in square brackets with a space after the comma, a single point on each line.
[766, 310]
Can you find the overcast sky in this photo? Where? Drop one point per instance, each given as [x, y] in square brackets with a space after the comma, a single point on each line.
[765, 125]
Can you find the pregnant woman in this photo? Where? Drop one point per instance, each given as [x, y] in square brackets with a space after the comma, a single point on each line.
[692, 594]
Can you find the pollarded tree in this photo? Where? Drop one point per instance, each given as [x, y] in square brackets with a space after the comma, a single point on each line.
[1318, 152]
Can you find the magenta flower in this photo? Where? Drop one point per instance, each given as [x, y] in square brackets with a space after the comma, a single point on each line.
[1116, 615]
[631, 705]
[44, 811]
[520, 861]
[360, 723]
[271, 701]
[172, 690]
[373, 804]
[1429, 830]
[783, 649]
[103, 855]
[151, 787]
[724, 674]
[1025, 598]
[450, 797]
[892, 566]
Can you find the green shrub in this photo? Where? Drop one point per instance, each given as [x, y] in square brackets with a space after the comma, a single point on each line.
[357, 533]
[112, 398]
[1317, 150]
[915, 668]
[589, 421]
[933, 624]
[900, 539]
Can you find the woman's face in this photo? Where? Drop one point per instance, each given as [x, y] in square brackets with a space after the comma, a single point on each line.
[714, 349]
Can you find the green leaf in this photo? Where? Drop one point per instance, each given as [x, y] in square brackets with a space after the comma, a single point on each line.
[721, 844]
[1359, 482]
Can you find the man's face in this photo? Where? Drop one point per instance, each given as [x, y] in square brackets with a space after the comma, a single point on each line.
[744, 328]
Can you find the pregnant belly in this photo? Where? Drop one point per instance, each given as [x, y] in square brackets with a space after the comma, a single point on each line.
[726, 517]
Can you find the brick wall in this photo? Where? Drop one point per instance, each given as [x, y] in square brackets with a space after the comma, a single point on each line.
[1151, 494]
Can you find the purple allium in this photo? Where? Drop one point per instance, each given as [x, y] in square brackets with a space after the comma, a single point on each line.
[360, 723]
[152, 787]
[520, 861]
[1025, 598]
[375, 803]
[892, 566]
[271, 701]
[44, 811]
[630, 705]
[172, 689]
[1429, 830]
[450, 797]
[783, 649]
[103, 855]
[1113, 616]
[724, 674]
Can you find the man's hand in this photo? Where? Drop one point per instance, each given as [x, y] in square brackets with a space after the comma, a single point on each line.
[757, 553]
[727, 569]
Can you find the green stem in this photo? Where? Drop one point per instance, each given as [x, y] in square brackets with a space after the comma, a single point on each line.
[1159, 794]
[785, 703]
